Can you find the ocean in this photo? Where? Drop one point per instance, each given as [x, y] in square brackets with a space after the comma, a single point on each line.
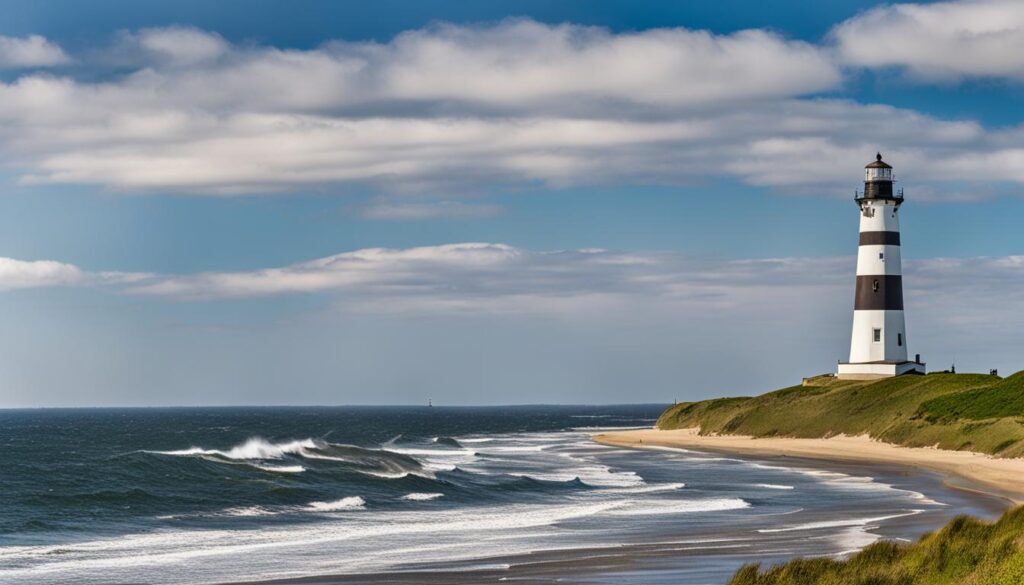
[418, 494]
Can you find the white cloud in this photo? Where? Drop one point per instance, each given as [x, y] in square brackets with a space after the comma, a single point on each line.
[481, 276]
[178, 45]
[30, 51]
[458, 109]
[15, 274]
[944, 40]
[22, 274]
[518, 101]
[522, 62]
[967, 307]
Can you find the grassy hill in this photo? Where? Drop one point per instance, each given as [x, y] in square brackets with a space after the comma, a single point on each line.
[951, 411]
[972, 412]
[965, 552]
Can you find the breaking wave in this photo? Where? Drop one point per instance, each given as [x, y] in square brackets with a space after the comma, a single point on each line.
[256, 452]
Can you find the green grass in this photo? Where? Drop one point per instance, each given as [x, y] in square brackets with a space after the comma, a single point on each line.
[972, 412]
[965, 552]
[1002, 399]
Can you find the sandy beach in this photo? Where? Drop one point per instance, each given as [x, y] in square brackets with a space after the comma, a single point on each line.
[1003, 477]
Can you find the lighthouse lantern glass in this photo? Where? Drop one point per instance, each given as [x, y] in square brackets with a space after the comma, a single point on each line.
[877, 174]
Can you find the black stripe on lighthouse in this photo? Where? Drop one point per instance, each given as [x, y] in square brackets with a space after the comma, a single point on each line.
[879, 238]
[879, 292]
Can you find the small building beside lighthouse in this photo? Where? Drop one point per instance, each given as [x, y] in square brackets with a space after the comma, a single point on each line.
[878, 344]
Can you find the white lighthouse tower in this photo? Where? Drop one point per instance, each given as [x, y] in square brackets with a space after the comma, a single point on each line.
[878, 346]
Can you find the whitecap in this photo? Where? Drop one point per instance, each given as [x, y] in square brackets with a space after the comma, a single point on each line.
[281, 468]
[348, 503]
[421, 497]
[649, 489]
[253, 448]
[248, 511]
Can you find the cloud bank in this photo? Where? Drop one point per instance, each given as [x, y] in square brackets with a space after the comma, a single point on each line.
[940, 41]
[605, 321]
[449, 110]
[497, 278]
[15, 274]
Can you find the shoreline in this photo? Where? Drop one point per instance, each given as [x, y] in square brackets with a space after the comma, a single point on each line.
[1003, 478]
[633, 559]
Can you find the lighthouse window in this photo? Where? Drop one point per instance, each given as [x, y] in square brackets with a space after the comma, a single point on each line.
[874, 287]
[881, 255]
[878, 335]
[899, 339]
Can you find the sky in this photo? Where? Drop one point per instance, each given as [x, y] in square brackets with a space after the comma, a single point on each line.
[218, 203]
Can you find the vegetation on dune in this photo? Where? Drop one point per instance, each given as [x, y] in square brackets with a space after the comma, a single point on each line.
[1002, 399]
[965, 552]
[973, 412]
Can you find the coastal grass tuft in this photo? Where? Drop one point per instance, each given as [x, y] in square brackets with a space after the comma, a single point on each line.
[966, 551]
[968, 412]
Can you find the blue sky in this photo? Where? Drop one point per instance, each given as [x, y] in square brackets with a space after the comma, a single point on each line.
[329, 203]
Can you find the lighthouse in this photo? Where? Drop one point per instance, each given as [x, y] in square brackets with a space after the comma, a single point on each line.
[878, 345]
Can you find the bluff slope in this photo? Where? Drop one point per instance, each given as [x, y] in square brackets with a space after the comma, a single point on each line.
[972, 412]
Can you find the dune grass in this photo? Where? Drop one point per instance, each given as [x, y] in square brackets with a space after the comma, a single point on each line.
[972, 412]
[965, 552]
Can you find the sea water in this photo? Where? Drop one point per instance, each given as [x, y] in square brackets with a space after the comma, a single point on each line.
[214, 495]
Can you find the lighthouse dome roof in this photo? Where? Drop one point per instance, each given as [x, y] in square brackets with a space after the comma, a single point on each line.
[878, 163]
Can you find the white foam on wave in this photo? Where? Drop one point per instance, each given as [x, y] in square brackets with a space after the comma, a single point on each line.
[444, 453]
[136, 556]
[654, 507]
[773, 486]
[852, 482]
[248, 511]
[844, 523]
[518, 449]
[648, 489]
[348, 503]
[592, 475]
[425, 470]
[281, 468]
[253, 448]
[421, 497]
[926, 500]
[432, 467]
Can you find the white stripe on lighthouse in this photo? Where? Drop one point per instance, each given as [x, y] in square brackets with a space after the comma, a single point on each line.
[864, 348]
[878, 260]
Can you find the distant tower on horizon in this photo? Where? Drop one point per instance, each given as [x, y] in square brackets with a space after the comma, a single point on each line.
[878, 345]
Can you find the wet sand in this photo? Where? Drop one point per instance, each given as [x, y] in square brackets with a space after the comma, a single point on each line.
[967, 470]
